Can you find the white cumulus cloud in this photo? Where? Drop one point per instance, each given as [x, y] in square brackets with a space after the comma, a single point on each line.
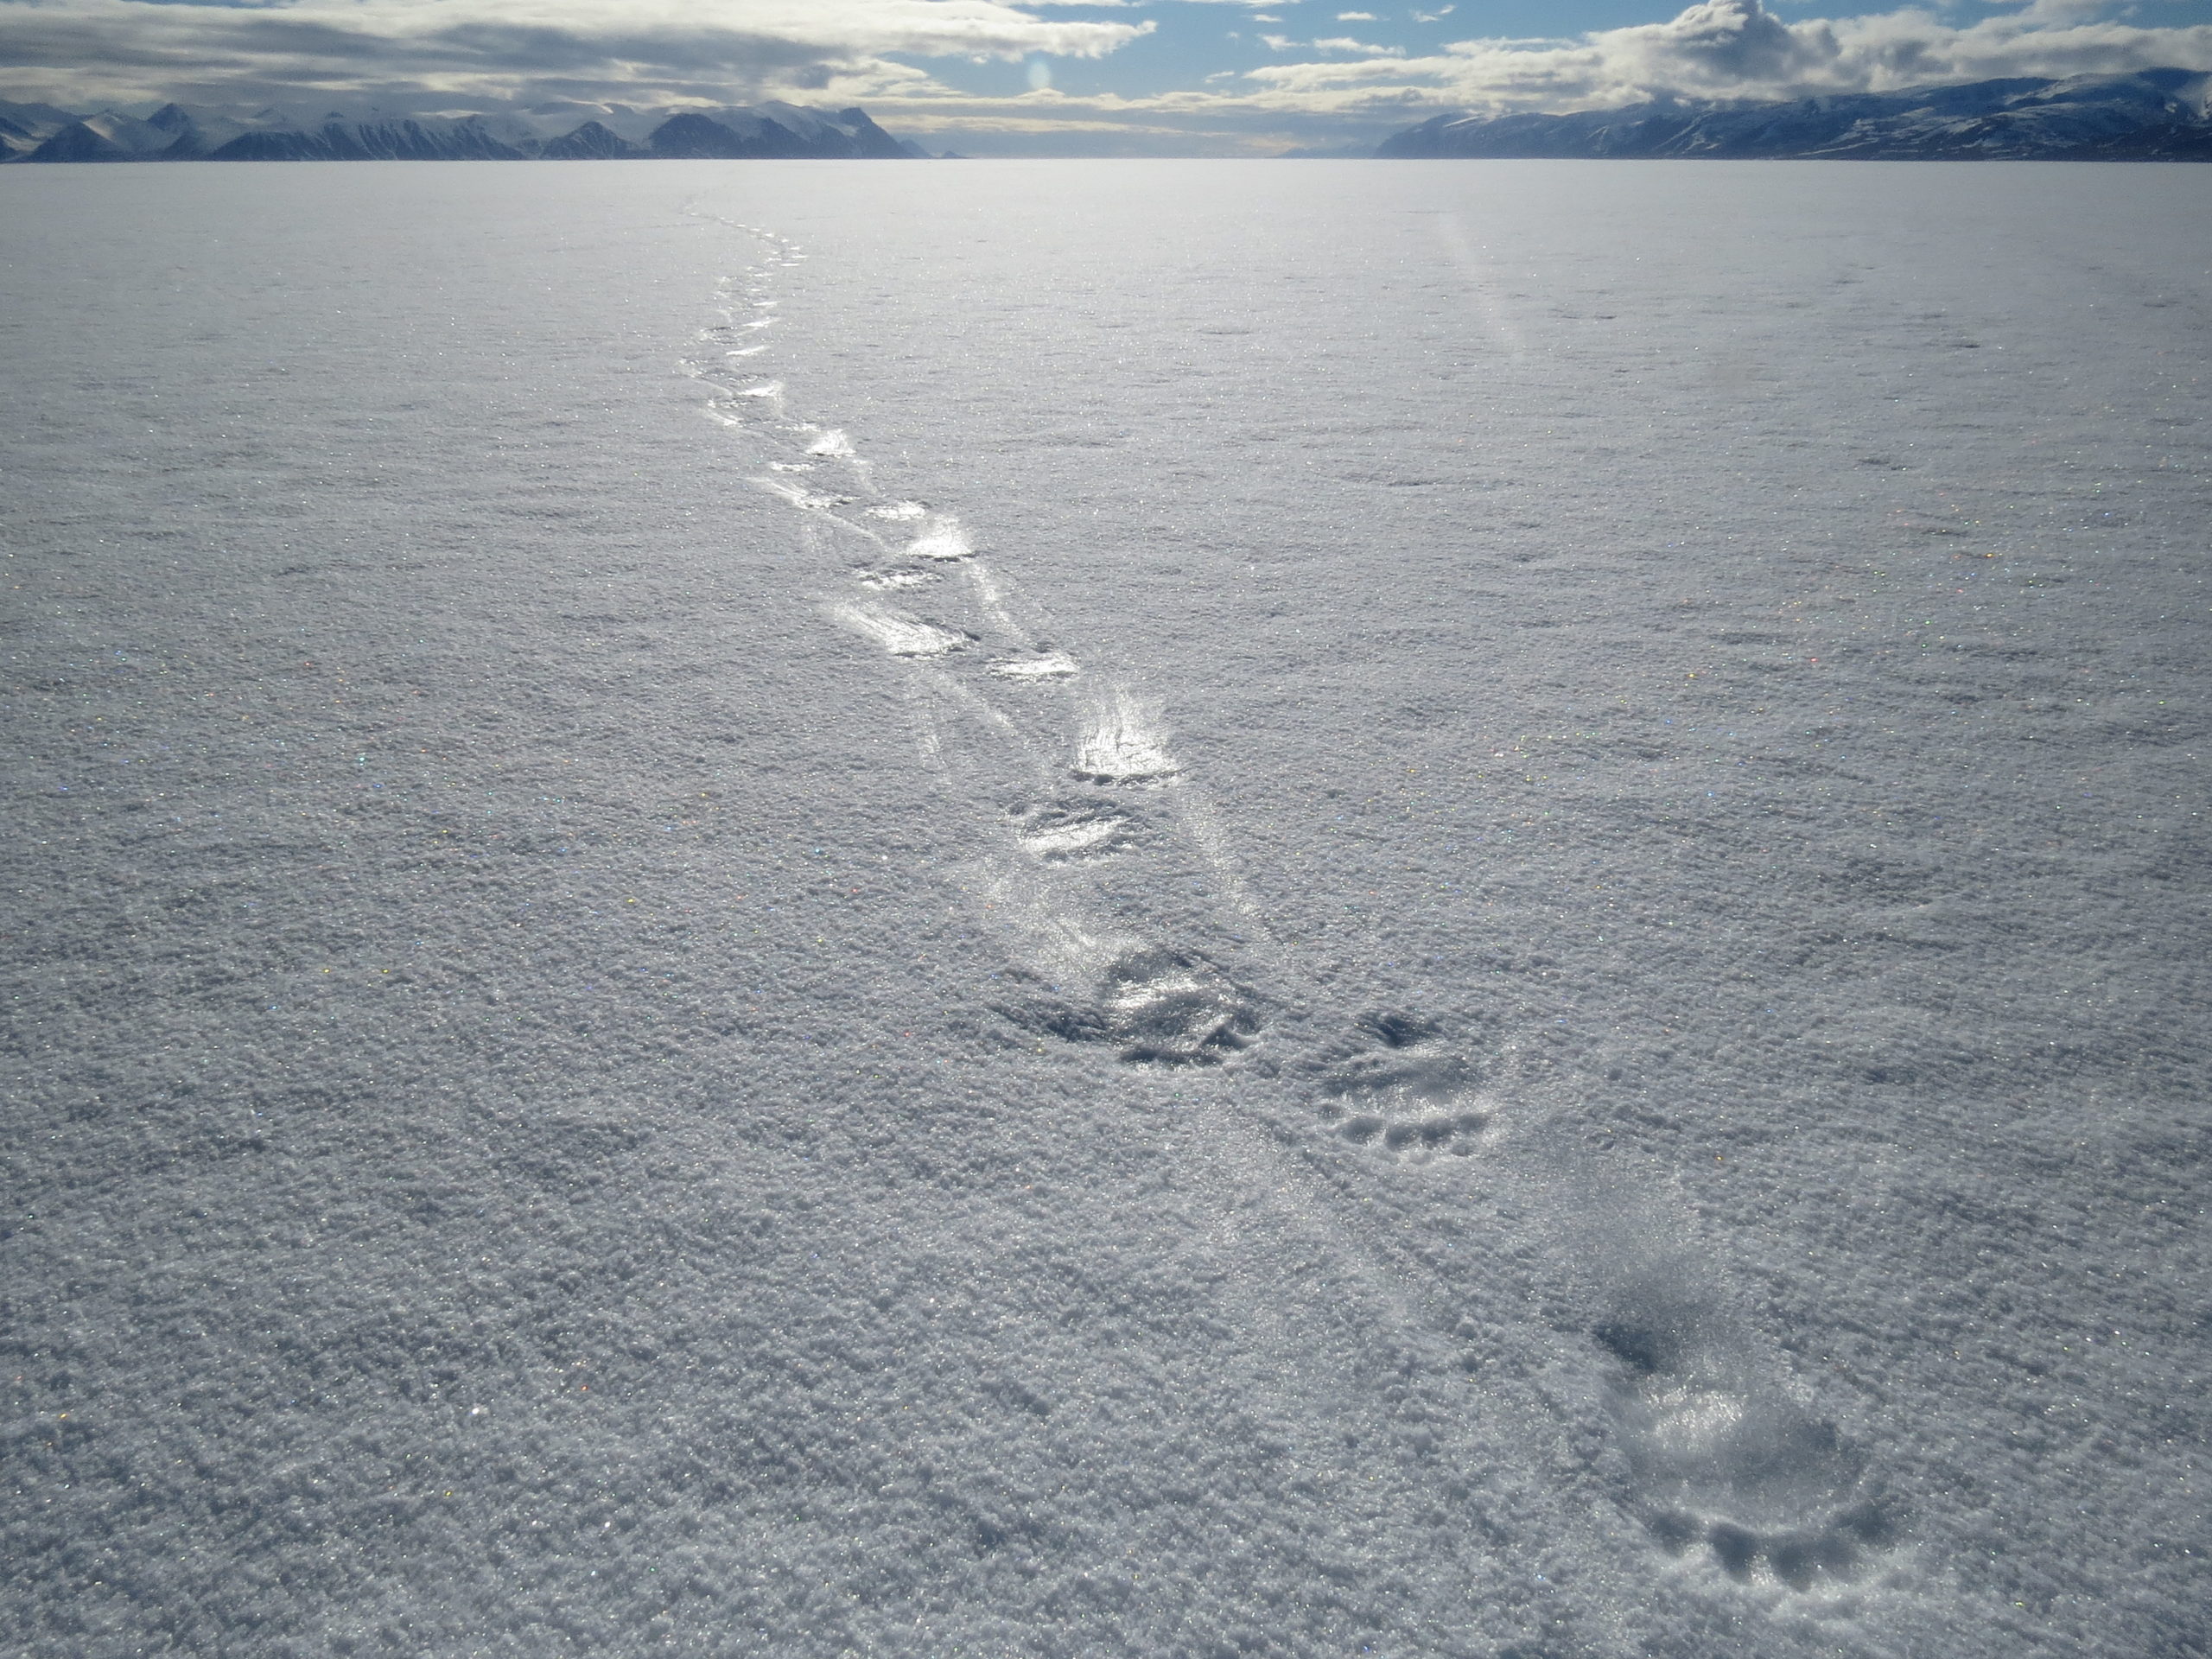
[1737, 48]
[77, 52]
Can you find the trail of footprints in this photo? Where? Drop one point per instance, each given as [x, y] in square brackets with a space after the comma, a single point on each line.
[1726, 1465]
[921, 592]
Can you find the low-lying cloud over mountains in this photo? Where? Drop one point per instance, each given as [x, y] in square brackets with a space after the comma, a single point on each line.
[2163, 115]
[2157, 114]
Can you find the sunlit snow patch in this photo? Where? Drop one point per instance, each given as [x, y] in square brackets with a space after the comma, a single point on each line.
[1689, 1423]
[1121, 745]
[898, 632]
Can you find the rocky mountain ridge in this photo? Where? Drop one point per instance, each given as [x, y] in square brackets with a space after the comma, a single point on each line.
[565, 131]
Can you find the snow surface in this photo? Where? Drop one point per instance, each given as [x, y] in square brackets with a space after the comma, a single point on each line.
[1270, 909]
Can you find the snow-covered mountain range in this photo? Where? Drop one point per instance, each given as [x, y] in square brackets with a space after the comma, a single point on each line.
[2163, 115]
[559, 132]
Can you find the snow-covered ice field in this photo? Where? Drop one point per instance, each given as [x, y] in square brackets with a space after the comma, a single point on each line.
[1107, 909]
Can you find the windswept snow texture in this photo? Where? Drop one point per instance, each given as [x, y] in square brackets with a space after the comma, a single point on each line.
[1234, 910]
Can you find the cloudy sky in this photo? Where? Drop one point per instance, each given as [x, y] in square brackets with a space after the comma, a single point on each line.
[1060, 77]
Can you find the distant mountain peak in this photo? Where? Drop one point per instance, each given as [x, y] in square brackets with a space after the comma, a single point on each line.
[2148, 115]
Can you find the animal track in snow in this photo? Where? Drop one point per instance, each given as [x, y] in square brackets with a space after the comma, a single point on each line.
[893, 576]
[1154, 1007]
[1725, 1466]
[944, 541]
[1396, 1030]
[1121, 745]
[1045, 665]
[1171, 1010]
[1065, 830]
[806, 500]
[1837, 1549]
[1410, 1101]
[1725, 1458]
[908, 568]
[900, 633]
